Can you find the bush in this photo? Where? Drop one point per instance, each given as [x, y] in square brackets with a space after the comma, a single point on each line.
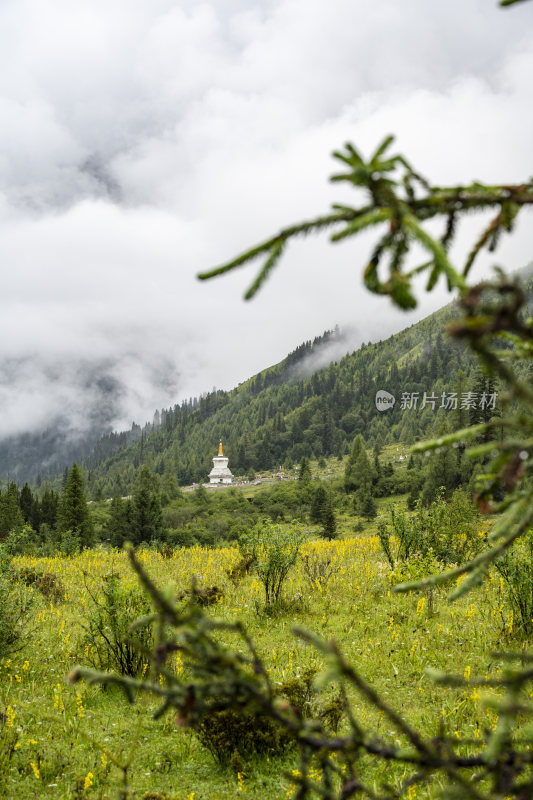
[107, 643]
[238, 571]
[202, 597]
[244, 733]
[234, 734]
[319, 568]
[516, 569]
[448, 531]
[274, 549]
[47, 583]
[22, 541]
[15, 602]
[70, 543]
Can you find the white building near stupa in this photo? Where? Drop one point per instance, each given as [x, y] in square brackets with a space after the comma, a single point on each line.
[220, 472]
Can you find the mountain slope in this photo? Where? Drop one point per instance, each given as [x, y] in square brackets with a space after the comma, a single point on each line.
[293, 410]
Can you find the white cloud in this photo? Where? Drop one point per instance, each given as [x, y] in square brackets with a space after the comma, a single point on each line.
[141, 142]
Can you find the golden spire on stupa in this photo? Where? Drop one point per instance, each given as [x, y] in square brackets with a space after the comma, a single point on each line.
[220, 449]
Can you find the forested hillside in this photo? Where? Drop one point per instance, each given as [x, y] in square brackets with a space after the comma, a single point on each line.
[287, 411]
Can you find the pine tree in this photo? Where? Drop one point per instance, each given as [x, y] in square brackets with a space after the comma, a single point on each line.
[367, 507]
[26, 502]
[304, 476]
[11, 518]
[359, 472]
[119, 524]
[146, 514]
[49, 508]
[318, 505]
[329, 520]
[441, 471]
[73, 512]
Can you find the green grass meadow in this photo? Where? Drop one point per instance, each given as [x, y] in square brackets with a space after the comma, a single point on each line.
[73, 741]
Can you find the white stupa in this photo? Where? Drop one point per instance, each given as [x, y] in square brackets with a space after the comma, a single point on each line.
[220, 472]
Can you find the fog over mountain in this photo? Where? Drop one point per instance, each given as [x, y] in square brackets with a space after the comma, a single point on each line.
[141, 142]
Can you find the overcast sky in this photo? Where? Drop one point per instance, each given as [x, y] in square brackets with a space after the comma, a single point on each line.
[142, 141]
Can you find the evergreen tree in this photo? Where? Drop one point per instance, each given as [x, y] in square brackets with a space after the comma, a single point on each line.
[146, 514]
[359, 472]
[413, 497]
[367, 506]
[304, 476]
[26, 502]
[318, 504]
[11, 518]
[118, 526]
[49, 508]
[441, 471]
[73, 512]
[328, 520]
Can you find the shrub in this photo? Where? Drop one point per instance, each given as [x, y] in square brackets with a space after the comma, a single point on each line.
[449, 531]
[70, 543]
[275, 551]
[319, 568]
[15, 602]
[203, 597]
[234, 734]
[238, 571]
[107, 642]
[22, 541]
[516, 569]
[47, 583]
[245, 732]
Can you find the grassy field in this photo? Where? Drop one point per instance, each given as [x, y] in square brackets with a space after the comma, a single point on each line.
[63, 741]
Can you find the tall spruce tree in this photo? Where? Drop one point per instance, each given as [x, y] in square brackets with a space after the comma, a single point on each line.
[318, 504]
[304, 475]
[73, 511]
[146, 514]
[442, 470]
[11, 518]
[26, 502]
[118, 526]
[359, 472]
[329, 521]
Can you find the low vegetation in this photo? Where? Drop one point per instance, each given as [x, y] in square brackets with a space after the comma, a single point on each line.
[64, 741]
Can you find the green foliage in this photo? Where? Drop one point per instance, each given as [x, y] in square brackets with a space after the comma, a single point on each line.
[319, 568]
[21, 539]
[329, 521]
[118, 526]
[11, 517]
[70, 543]
[442, 473]
[244, 732]
[146, 517]
[367, 507]
[447, 532]
[318, 504]
[73, 512]
[15, 604]
[47, 583]
[108, 641]
[250, 731]
[516, 568]
[322, 511]
[304, 474]
[274, 550]
[359, 472]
